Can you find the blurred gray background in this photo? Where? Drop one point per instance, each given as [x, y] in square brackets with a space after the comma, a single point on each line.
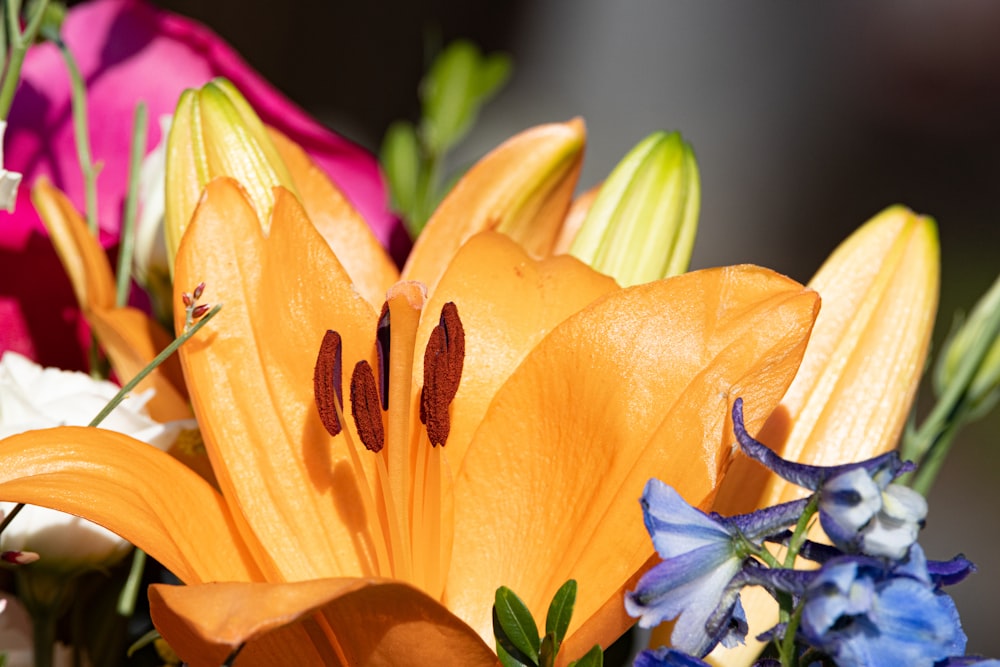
[807, 119]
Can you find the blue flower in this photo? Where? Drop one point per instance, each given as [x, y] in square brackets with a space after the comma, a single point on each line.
[861, 612]
[667, 657]
[864, 513]
[697, 582]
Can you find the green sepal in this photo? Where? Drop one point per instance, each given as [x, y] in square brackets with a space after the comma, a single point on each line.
[561, 612]
[592, 658]
[514, 627]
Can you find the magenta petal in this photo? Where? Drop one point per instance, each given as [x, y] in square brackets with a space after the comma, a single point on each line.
[129, 50]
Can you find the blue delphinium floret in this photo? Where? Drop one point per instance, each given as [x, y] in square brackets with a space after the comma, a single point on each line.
[860, 611]
[702, 556]
[859, 509]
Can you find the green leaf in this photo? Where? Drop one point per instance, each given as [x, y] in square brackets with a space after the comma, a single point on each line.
[514, 626]
[400, 157]
[493, 72]
[561, 611]
[592, 658]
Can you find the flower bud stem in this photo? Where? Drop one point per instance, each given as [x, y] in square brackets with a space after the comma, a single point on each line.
[126, 242]
[20, 41]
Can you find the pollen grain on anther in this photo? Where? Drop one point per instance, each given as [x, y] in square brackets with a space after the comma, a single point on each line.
[327, 381]
[366, 407]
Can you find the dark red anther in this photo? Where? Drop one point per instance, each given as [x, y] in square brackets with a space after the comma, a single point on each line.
[186, 298]
[199, 290]
[327, 381]
[366, 407]
[200, 310]
[443, 361]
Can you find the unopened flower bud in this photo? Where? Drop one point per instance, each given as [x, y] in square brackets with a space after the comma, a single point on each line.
[216, 133]
[971, 358]
[642, 225]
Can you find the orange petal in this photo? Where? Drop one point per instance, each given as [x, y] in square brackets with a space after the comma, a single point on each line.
[329, 622]
[637, 385]
[81, 255]
[250, 370]
[508, 302]
[522, 188]
[347, 233]
[132, 489]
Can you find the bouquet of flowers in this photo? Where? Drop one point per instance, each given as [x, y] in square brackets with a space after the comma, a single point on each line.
[348, 421]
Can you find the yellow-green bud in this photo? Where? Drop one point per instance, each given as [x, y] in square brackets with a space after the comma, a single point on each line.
[216, 133]
[642, 225]
[971, 357]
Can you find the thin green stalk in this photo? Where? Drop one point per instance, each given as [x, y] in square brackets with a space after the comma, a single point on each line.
[930, 465]
[159, 359]
[786, 650]
[801, 531]
[127, 241]
[18, 48]
[81, 129]
[127, 598]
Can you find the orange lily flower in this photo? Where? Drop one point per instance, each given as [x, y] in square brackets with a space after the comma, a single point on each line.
[573, 393]
[853, 392]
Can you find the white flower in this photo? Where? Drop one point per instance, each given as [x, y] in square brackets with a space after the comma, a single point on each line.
[32, 397]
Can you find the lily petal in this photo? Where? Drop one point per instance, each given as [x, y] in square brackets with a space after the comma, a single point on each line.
[523, 188]
[508, 302]
[248, 371]
[130, 338]
[334, 622]
[80, 253]
[132, 489]
[679, 351]
[347, 233]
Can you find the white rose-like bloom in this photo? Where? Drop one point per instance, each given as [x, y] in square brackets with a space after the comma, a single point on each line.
[32, 397]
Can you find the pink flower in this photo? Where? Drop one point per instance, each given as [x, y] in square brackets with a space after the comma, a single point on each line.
[128, 51]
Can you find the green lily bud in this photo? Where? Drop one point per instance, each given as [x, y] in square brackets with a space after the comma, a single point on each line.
[642, 225]
[970, 362]
[216, 133]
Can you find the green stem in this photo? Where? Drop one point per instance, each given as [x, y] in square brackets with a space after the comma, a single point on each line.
[786, 649]
[801, 531]
[930, 465]
[81, 129]
[127, 598]
[18, 48]
[44, 596]
[127, 242]
[157, 360]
